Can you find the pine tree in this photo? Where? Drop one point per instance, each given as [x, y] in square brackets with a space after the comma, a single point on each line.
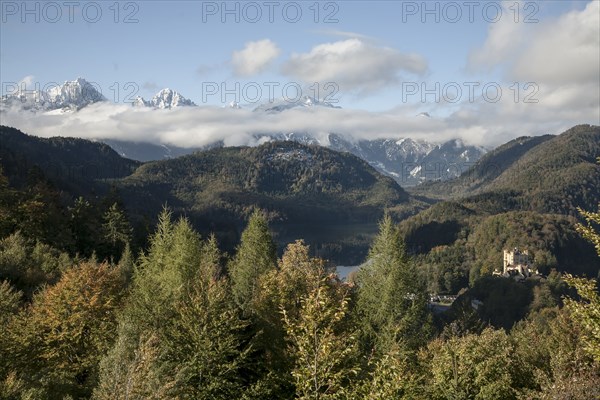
[160, 281]
[164, 272]
[204, 346]
[392, 302]
[84, 226]
[255, 256]
[210, 263]
[181, 335]
[116, 230]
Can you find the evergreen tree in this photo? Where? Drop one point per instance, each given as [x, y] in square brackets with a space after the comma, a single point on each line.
[116, 230]
[181, 335]
[8, 199]
[85, 226]
[392, 302]
[204, 346]
[255, 256]
[160, 281]
[127, 264]
[164, 272]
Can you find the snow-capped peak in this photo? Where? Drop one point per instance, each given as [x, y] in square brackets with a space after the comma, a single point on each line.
[71, 95]
[78, 92]
[164, 99]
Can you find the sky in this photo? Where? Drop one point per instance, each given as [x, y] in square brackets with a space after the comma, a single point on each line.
[484, 71]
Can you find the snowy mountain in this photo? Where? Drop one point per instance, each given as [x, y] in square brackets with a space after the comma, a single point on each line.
[165, 99]
[408, 161]
[279, 105]
[70, 96]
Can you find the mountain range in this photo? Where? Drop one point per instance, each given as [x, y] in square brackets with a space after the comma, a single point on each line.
[217, 189]
[547, 173]
[408, 161]
[523, 194]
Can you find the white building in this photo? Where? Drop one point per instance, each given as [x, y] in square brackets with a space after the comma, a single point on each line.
[516, 264]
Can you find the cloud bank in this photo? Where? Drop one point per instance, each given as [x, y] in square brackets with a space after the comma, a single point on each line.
[480, 123]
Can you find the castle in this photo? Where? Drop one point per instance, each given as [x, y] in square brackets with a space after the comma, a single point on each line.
[516, 264]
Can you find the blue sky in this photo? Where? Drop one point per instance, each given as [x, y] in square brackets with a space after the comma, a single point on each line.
[369, 49]
[181, 44]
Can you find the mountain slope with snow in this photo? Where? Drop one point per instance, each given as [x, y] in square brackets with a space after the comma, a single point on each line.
[71, 95]
[279, 105]
[165, 99]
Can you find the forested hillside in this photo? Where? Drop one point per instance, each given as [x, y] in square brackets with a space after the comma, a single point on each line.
[524, 194]
[549, 174]
[75, 165]
[99, 301]
[178, 321]
[299, 187]
[284, 176]
[216, 189]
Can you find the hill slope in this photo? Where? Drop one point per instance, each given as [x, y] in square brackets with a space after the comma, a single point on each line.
[331, 199]
[75, 165]
[301, 187]
[545, 174]
[524, 194]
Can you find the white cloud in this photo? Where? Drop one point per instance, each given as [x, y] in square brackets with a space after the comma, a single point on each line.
[560, 51]
[254, 58]
[354, 65]
[480, 122]
[560, 55]
[505, 39]
[566, 51]
[557, 52]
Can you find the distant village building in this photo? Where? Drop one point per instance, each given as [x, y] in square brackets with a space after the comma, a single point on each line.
[517, 265]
